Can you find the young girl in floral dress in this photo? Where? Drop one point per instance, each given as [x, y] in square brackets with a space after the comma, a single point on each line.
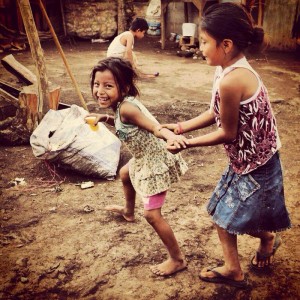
[152, 169]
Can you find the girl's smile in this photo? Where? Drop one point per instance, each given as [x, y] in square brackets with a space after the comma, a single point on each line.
[105, 89]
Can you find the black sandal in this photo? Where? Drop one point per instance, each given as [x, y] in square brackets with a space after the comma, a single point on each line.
[266, 257]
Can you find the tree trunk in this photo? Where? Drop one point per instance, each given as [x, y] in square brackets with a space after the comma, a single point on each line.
[121, 16]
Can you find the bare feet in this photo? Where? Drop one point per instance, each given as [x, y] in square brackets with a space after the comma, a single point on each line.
[168, 267]
[121, 211]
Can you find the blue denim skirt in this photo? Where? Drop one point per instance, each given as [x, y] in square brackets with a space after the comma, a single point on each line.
[245, 204]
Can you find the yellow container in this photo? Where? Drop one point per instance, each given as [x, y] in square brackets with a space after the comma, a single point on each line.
[91, 122]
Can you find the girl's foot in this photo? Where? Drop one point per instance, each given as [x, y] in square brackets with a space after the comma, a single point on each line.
[210, 273]
[217, 275]
[265, 253]
[168, 267]
[121, 211]
[149, 75]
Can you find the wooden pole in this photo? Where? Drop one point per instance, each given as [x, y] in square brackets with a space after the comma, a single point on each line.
[260, 13]
[164, 5]
[63, 17]
[62, 54]
[37, 55]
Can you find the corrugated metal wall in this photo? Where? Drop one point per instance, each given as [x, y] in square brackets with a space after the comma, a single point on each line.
[279, 17]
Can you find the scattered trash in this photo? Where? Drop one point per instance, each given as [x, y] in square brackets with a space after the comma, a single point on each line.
[87, 184]
[53, 209]
[99, 41]
[172, 37]
[53, 268]
[24, 279]
[63, 138]
[184, 53]
[55, 189]
[88, 209]
[18, 181]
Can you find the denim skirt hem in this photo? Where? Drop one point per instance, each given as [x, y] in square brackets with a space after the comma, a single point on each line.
[251, 203]
[252, 231]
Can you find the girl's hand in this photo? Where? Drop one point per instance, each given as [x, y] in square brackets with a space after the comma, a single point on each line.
[92, 119]
[177, 144]
[178, 141]
[96, 118]
[173, 127]
[171, 147]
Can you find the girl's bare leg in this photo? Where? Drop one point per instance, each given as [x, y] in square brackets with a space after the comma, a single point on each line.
[176, 260]
[231, 268]
[126, 211]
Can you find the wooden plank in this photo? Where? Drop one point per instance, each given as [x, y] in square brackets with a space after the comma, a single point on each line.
[9, 98]
[54, 98]
[9, 88]
[17, 69]
[29, 109]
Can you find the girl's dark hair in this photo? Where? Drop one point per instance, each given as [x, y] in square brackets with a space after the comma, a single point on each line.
[124, 75]
[139, 24]
[231, 21]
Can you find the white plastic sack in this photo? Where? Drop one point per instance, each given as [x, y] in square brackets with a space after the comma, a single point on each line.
[64, 137]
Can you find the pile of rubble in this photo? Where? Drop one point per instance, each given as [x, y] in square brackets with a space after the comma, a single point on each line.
[12, 41]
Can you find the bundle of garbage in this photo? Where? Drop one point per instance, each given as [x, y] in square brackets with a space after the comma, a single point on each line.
[64, 138]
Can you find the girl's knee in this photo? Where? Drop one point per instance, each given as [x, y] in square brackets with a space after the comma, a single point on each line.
[152, 216]
[124, 174]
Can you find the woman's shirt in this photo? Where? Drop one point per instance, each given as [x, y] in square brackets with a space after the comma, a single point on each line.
[257, 137]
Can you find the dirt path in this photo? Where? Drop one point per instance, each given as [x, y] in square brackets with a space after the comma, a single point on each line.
[51, 247]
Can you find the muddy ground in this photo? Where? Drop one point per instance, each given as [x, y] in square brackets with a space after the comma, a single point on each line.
[52, 247]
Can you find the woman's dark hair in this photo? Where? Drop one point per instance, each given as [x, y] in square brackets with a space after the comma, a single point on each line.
[139, 24]
[231, 21]
[124, 75]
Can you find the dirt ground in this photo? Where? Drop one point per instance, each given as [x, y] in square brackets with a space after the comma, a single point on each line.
[53, 247]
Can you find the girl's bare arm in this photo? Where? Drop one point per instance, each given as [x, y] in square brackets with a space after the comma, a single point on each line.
[230, 94]
[132, 115]
[204, 120]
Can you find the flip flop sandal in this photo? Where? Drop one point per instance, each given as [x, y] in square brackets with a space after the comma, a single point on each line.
[219, 278]
[266, 257]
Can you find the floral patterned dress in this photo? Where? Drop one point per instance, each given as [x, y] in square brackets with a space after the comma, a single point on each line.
[152, 168]
[257, 138]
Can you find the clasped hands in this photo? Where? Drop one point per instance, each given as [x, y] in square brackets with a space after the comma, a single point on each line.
[178, 142]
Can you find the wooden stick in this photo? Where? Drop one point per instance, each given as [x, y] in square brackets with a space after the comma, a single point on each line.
[62, 55]
[37, 55]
